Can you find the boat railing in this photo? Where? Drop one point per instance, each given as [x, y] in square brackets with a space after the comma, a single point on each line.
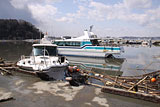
[24, 57]
[34, 62]
[44, 54]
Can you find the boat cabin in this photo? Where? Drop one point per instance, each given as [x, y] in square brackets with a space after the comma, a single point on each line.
[44, 50]
[72, 43]
[93, 42]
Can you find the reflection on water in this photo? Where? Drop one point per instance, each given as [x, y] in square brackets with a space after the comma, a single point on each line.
[138, 59]
[99, 65]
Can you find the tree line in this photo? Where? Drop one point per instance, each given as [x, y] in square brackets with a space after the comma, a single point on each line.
[13, 29]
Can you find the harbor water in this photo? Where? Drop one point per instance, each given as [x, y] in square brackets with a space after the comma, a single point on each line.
[30, 91]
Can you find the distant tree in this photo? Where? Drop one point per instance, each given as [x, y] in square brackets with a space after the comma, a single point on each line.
[11, 29]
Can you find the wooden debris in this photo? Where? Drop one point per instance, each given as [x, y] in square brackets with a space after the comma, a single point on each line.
[8, 67]
[24, 71]
[137, 83]
[132, 94]
[141, 85]
[1, 60]
[6, 71]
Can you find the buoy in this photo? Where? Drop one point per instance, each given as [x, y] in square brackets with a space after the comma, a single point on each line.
[77, 70]
[153, 79]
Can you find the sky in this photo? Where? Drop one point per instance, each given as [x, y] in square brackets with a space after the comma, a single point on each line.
[114, 18]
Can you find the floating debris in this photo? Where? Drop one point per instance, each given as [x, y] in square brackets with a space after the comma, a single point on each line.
[75, 77]
[145, 87]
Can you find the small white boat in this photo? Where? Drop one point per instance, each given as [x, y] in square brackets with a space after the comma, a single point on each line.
[147, 43]
[45, 62]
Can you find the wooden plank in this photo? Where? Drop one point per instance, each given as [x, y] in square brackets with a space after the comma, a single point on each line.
[25, 71]
[132, 94]
[4, 70]
[138, 83]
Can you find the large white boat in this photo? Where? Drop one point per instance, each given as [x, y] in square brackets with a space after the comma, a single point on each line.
[45, 62]
[85, 46]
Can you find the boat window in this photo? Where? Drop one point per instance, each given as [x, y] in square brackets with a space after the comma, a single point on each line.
[95, 42]
[77, 43]
[37, 51]
[61, 43]
[86, 43]
[51, 50]
[47, 51]
[67, 43]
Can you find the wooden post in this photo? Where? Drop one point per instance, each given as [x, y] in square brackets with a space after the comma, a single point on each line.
[8, 72]
[115, 80]
[146, 88]
[138, 83]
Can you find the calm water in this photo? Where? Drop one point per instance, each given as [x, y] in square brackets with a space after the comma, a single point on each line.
[134, 61]
[140, 60]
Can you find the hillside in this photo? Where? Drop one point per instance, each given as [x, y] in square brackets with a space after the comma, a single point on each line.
[12, 29]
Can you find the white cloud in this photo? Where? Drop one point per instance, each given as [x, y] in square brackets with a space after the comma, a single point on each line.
[43, 13]
[22, 4]
[64, 19]
[122, 11]
[82, 2]
[138, 3]
[19, 4]
[154, 13]
[46, 14]
[102, 12]
[99, 11]
[51, 1]
[72, 17]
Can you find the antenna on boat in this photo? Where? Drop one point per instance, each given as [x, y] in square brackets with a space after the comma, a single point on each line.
[90, 30]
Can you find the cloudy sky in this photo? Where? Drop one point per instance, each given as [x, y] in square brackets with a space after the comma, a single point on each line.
[70, 17]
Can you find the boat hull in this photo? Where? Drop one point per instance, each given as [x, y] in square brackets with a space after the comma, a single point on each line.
[54, 73]
[86, 52]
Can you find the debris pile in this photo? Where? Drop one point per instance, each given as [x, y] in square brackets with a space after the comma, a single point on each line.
[145, 87]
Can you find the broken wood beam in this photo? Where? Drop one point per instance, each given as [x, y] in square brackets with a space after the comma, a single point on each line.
[138, 83]
[4, 70]
[25, 71]
[132, 94]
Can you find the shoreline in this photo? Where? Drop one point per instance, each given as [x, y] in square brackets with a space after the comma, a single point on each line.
[27, 40]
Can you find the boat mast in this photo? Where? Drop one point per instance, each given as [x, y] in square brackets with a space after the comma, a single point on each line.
[90, 30]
